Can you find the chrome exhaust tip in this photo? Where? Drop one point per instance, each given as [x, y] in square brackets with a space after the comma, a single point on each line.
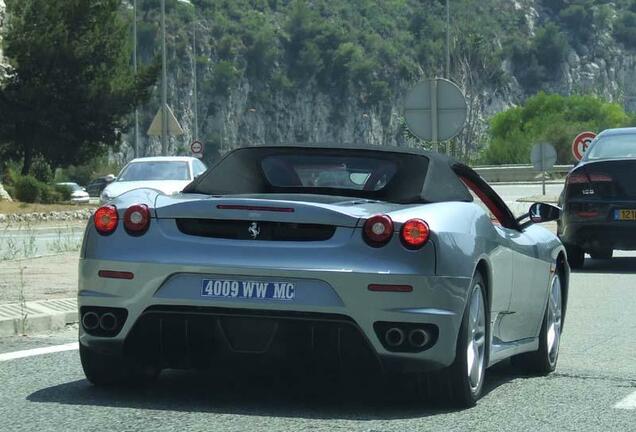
[108, 322]
[394, 337]
[90, 321]
[418, 338]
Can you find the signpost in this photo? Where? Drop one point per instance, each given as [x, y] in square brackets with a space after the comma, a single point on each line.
[197, 149]
[543, 158]
[172, 128]
[581, 143]
[435, 110]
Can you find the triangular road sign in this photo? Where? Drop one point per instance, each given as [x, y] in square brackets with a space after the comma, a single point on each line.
[174, 128]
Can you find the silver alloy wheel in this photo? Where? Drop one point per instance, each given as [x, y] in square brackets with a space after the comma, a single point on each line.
[476, 346]
[554, 320]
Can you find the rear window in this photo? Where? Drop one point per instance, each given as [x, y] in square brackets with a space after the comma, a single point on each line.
[144, 171]
[382, 175]
[352, 173]
[613, 147]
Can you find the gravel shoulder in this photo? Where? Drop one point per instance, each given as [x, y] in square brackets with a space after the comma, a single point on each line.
[44, 278]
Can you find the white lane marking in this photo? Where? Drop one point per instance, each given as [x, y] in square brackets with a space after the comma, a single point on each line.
[629, 402]
[38, 351]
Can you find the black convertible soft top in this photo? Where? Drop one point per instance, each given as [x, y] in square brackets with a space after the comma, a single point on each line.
[409, 176]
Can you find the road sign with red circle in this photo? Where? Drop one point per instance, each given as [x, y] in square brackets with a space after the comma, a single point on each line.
[581, 144]
[197, 148]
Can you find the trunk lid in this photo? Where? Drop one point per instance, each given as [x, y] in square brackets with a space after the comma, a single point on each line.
[604, 179]
[295, 209]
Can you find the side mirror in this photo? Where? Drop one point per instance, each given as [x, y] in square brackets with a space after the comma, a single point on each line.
[542, 212]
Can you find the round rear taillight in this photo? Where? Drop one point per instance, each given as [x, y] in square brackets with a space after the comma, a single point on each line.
[378, 230]
[137, 219]
[414, 233]
[105, 219]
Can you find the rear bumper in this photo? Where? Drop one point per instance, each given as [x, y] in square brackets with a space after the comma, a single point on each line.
[168, 322]
[597, 232]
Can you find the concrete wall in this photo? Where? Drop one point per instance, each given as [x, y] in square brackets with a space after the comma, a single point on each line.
[518, 173]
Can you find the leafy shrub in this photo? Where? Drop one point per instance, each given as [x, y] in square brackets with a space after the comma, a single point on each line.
[551, 47]
[41, 170]
[49, 194]
[548, 118]
[225, 76]
[11, 173]
[625, 28]
[10, 190]
[28, 189]
[538, 60]
[64, 192]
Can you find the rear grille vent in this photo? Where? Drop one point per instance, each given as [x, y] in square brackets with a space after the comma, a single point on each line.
[251, 230]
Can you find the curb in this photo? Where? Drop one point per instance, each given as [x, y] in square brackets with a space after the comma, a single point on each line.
[37, 316]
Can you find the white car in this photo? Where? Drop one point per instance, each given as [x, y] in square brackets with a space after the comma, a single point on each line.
[78, 193]
[167, 174]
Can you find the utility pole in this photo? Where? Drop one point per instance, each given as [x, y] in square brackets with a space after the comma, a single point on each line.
[135, 69]
[194, 68]
[447, 39]
[195, 132]
[164, 83]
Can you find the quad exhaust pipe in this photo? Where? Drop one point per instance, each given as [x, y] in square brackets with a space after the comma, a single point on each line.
[406, 339]
[418, 338]
[394, 337]
[108, 322]
[90, 320]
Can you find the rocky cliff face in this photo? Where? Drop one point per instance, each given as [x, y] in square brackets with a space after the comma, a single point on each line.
[243, 116]
[602, 67]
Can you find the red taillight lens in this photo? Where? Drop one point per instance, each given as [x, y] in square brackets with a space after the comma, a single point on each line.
[378, 230]
[600, 178]
[577, 179]
[415, 233]
[106, 219]
[137, 219]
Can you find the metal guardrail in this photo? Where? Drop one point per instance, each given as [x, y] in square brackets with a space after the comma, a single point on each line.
[518, 173]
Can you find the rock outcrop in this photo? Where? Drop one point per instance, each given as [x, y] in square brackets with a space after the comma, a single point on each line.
[4, 195]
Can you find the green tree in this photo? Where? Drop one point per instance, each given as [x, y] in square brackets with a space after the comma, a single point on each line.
[71, 87]
[548, 118]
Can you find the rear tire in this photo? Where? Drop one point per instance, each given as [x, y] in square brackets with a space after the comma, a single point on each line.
[602, 254]
[544, 360]
[108, 370]
[576, 256]
[460, 384]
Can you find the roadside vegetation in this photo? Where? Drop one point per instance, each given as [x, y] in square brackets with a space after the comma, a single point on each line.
[70, 88]
[549, 119]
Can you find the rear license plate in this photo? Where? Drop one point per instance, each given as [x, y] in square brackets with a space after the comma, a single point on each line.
[244, 289]
[625, 214]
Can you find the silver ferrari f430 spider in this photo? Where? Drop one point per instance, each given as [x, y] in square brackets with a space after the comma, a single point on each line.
[404, 260]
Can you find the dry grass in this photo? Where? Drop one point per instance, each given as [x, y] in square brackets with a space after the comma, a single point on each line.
[19, 207]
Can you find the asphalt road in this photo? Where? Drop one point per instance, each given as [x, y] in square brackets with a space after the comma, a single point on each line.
[596, 371]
